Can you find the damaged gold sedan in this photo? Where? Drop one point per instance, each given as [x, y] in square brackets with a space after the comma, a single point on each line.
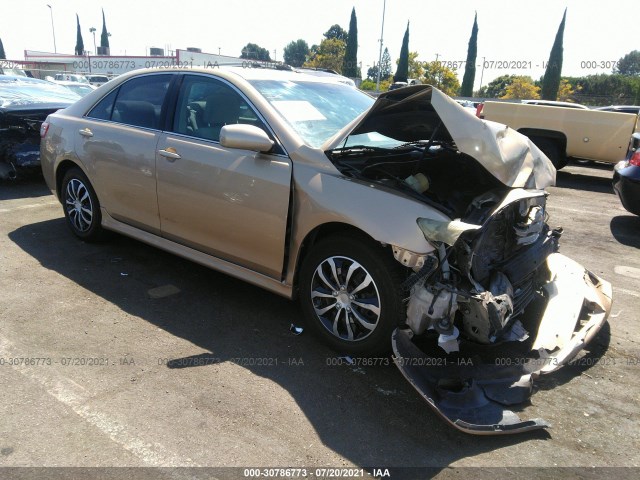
[405, 224]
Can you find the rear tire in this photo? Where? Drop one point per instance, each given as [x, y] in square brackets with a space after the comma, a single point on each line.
[551, 149]
[81, 206]
[350, 294]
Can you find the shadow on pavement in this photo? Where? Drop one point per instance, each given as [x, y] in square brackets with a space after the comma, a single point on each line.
[368, 415]
[626, 230]
[580, 181]
[30, 187]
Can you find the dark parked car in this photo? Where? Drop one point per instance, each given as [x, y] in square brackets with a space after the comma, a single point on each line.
[396, 85]
[626, 177]
[97, 80]
[24, 104]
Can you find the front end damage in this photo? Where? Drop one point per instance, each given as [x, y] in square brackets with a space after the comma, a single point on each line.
[24, 104]
[492, 304]
[20, 142]
[492, 310]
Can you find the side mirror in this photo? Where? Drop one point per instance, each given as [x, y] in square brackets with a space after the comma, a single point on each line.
[245, 137]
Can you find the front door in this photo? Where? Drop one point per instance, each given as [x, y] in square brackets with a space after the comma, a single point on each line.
[230, 203]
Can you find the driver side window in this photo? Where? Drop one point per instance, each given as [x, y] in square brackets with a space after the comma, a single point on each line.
[205, 105]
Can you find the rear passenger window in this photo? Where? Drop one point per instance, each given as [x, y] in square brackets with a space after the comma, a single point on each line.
[104, 108]
[137, 102]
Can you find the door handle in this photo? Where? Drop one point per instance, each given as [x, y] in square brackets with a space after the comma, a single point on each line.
[170, 154]
[85, 132]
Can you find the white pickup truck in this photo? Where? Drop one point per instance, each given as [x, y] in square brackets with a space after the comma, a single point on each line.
[562, 132]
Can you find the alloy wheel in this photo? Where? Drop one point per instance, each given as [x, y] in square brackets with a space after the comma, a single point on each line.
[345, 298]
[78, 205]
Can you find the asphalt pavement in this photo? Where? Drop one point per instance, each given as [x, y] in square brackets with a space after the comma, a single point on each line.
[119, 354]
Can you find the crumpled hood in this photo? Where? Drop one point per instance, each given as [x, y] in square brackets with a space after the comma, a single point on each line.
[412, 113]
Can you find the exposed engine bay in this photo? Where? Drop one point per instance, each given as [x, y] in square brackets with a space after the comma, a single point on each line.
[20, 142]
[493, 305]
[24, 104]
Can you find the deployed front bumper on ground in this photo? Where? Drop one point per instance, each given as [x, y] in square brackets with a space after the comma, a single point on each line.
[473, 390]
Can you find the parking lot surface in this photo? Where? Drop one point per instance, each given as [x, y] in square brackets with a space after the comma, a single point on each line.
[134, 357]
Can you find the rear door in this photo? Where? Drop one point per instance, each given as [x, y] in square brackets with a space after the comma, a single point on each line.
[230, 203]
[117, 142]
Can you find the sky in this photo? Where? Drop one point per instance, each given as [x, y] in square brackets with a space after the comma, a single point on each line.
[515, 36]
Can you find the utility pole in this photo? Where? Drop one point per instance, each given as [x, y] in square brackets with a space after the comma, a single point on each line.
[55, 50]
[93, 31]
[384, 8]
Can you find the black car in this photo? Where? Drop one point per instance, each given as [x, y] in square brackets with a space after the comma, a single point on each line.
[24, 104]
[626, 177]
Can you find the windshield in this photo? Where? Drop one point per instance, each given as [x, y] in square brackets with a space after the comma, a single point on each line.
[315, 110]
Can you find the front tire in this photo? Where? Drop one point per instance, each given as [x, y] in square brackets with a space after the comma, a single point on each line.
[81, 206]
[350, 294]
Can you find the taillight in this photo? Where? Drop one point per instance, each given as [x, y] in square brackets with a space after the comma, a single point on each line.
[635, 159]
[44, 128]
[479, 109]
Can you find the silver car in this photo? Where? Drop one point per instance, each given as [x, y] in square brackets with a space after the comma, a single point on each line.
[405, 224]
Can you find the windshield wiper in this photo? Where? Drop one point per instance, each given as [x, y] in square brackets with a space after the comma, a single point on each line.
[366, 148]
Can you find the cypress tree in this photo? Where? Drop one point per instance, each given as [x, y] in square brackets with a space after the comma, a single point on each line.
[470, 68]
[402, 72]
[2, 54]
[551, 80]
[104, 37]
[350, 63]
[79, 42]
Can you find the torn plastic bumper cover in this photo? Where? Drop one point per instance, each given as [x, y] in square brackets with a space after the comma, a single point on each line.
[474, 396]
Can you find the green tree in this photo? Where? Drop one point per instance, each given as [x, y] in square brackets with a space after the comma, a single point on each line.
[416, 68]
[385, 65]
[2, 54]
[522, 88]
[402, 72]
[496, 87]
[350, 63]
[470, 67]
[551, 81]
[104, 36]
[606, 89]
[337, 32]
[296, 53]
[629, 64]
[566, 90]
[372, 73]
[79, 42]
[441, 77]
[254, 51]
[368, 84]
[330, 55]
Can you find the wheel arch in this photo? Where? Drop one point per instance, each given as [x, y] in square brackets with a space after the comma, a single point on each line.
[61, 170]
[558, 137]
[321, 232]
